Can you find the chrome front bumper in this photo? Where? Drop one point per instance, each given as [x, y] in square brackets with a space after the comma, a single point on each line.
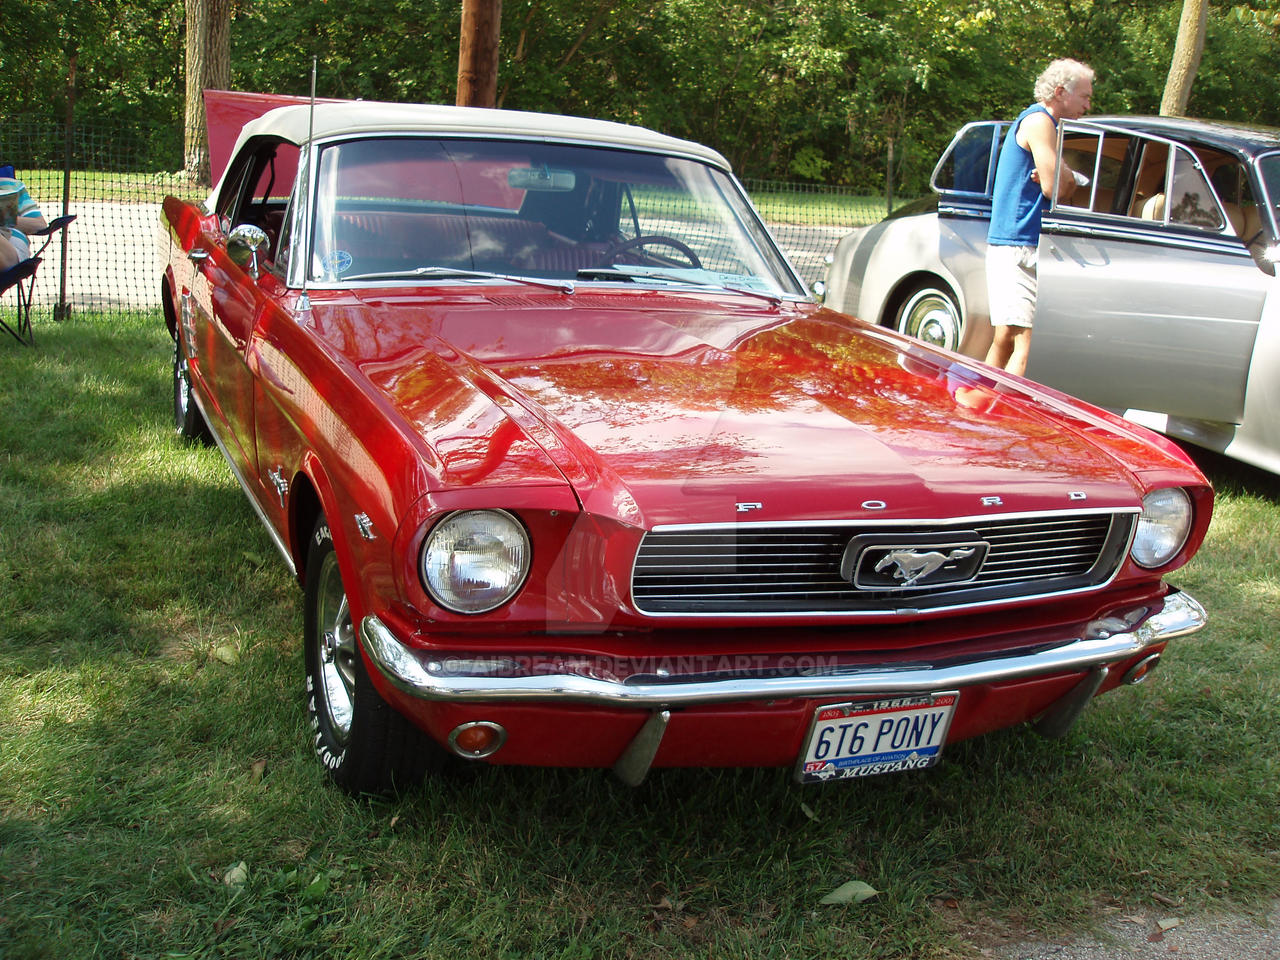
[478, 679]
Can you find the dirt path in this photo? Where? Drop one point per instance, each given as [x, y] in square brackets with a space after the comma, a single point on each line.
[1149, 934]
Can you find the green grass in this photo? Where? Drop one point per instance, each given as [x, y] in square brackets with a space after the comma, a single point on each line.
[152, 739]
[833, 207]
[96, 185]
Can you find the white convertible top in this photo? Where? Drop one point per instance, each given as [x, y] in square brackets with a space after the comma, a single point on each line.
[367, 116]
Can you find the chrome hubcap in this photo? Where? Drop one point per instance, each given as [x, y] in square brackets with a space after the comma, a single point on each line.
[337, 650]
[181, 385]
[932, 317]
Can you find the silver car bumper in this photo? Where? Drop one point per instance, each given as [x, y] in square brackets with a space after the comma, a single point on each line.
[474, 679]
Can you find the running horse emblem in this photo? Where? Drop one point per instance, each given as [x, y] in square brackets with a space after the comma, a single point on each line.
[913, 565]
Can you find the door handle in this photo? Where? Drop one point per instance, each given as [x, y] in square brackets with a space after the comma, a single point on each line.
[1071, 229]
[198, 255]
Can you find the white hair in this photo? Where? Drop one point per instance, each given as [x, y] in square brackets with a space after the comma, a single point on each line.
[1065, 73]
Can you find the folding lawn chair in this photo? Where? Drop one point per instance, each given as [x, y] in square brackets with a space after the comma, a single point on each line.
[22, 276]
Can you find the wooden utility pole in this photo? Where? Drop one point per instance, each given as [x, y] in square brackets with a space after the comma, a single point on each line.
[1186, 58]
[478, 53]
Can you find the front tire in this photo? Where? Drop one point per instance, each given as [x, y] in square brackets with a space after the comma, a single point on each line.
[187, 420]
[364, 744]
[930, 313]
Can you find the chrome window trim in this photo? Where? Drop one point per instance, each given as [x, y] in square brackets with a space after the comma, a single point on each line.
[1114, 227]
[410, 134]
[976, 212]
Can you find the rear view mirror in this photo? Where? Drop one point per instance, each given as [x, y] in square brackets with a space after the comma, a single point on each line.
[542, 179]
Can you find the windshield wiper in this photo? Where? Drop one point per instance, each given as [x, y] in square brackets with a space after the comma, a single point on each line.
[452, 273]
[634, 276]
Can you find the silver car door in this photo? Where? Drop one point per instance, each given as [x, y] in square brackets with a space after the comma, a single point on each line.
[1147, 298]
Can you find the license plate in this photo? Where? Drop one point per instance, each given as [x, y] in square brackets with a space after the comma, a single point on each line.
[876, 736]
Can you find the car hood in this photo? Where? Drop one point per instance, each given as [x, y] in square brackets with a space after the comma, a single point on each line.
[662, 408]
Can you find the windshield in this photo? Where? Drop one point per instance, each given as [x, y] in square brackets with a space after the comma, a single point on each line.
[406, 206]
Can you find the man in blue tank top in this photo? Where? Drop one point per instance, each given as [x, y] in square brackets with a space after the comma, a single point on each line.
[1025, 175]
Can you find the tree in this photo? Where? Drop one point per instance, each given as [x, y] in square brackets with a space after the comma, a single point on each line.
[784, 88]
[1186, 58]
[478, 53]
[208, 61]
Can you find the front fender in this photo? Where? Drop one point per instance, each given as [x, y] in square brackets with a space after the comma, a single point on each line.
[1257, 439]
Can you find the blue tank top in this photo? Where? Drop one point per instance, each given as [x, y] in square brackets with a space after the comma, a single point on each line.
[1016, 200]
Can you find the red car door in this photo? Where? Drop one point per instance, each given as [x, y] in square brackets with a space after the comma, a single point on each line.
[218, 308]
[232, 309]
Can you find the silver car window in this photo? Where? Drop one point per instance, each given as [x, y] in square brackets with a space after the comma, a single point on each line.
[1136, 175]
[967, 167]
[1191, 199]
[1100, 159]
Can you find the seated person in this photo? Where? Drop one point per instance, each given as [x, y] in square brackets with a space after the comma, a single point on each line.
[19, 215]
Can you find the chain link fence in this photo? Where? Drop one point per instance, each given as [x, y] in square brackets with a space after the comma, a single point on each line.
[809, 219]
[110, 262]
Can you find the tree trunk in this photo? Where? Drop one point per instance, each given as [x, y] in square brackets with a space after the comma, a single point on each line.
[478, 53]
[1186, 58]
[208, 67]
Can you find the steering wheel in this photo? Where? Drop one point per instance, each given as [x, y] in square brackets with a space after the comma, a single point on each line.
[645, 240]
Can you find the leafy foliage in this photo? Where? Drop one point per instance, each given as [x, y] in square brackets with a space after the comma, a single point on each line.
[785, 88]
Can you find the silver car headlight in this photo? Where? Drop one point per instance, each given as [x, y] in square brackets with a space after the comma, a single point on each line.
[474, 561]
[1162, 527]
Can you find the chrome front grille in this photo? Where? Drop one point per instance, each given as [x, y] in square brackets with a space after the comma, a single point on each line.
[798, 568]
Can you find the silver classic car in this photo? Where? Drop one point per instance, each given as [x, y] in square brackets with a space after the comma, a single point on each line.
[1158, 293]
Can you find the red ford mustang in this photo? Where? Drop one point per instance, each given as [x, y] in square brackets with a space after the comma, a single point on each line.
[573, 472]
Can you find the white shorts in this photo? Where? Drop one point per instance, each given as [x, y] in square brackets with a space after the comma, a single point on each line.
[1011, 285]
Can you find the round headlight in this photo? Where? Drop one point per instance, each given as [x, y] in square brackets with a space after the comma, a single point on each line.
[475, 561]
[1162, 527]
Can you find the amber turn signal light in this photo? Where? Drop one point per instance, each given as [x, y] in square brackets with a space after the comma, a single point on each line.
[1141, 670]
[477, 739]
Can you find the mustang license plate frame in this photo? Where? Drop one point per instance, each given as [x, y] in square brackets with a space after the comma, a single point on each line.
[869, 737]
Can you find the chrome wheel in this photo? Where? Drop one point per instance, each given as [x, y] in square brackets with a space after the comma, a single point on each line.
[181, 385]
[931, 314]
[187, 420]
[364, 744]
[336, 651]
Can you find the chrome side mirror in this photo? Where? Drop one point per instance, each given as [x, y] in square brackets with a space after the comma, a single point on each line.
[245, 245]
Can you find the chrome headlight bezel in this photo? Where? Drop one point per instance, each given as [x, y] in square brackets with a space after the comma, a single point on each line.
[475, 561]
[1163, 527]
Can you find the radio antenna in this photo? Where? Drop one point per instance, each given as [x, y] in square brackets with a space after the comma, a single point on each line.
[311, 118]
[304, 302]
